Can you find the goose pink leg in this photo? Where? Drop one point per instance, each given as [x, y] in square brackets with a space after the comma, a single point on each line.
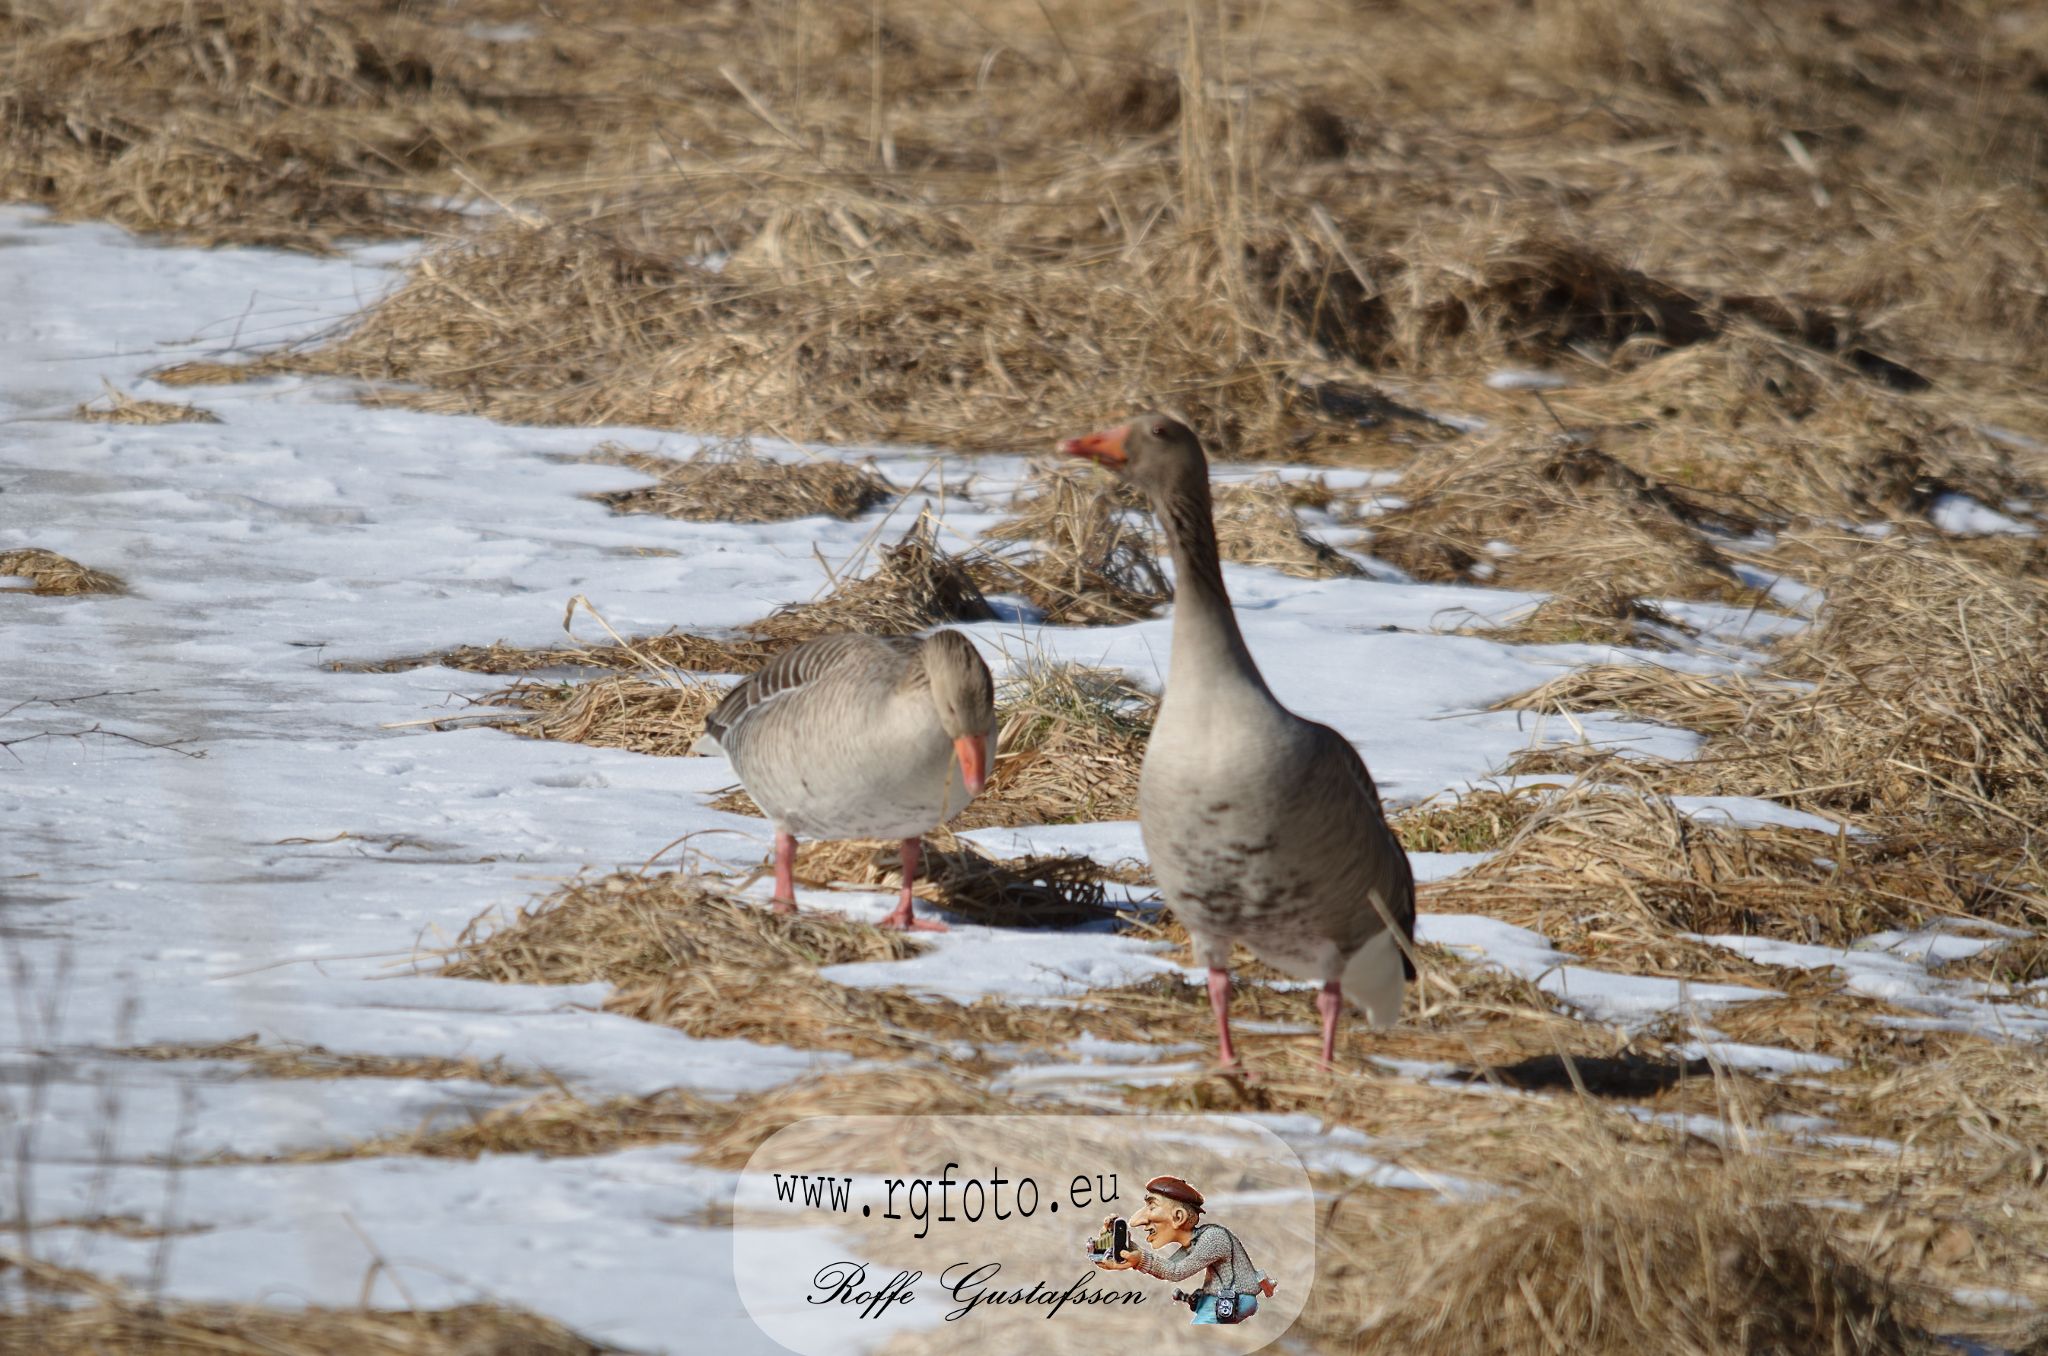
[1219, 999]
[912, 852]
[1330, 1002]
[785, 872]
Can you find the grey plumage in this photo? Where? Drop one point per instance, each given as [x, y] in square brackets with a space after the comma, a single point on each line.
[854, 736]
[842, 737]
[1262, 827]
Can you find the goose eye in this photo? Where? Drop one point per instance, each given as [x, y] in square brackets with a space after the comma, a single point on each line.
[1159, 430]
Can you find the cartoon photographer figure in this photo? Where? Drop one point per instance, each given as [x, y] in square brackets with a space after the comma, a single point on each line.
[1231, 1285]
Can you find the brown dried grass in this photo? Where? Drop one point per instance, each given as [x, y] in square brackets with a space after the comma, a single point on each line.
[1256, 525]
[313, 1061]
[1616, 873]
[1622, 1253]
[1594, 611]
[1476, 821]
[1071, 742]
[683, 650]
[52, 575]
[916, 584]
[926, 243]
[94, 1318]
[1014, 892]
[553, 1125]
[122, 408]
[1923, 699]
[1088, 562]
[277, 123]
[681, 953]
[618, 711]
[1571, 513]
[734, 484]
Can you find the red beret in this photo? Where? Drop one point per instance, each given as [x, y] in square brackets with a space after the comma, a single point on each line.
[1173, 1189]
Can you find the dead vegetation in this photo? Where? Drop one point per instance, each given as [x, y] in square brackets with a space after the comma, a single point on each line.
[1920, 700]
[1555, 514]
[1788, 267]
[1620, 876]
[915, 584]
[1477, 821]
[1592, 611]
[682, 650]
[1083, 558]
[950, 232]
[1256, 525]
[54, 576]
[684, 954]
[617, 711]
[962, 879]
[720, 1133]
[732, 483]
[118, 407]
[313, 1061]
[1068, 751]
[1661, 1257]
[82, 1316]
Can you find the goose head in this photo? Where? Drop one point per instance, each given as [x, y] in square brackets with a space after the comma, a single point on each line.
[965, 696]
[1156, 452]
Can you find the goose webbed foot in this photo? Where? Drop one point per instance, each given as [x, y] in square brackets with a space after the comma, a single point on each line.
[901, 919]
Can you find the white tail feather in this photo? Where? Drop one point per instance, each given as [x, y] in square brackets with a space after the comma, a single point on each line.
[1374, 981]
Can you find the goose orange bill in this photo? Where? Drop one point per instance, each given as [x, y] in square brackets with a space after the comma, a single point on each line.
[972, 751]
[1104, 449]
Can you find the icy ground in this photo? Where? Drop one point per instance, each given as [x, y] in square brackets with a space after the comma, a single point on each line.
[206, 834]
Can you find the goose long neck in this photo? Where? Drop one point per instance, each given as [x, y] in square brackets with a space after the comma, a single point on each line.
[1206, 641]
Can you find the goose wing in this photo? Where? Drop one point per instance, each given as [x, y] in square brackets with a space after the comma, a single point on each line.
[807, 667]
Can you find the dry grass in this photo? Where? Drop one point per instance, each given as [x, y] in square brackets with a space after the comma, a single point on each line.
[53, 575]
[970, 230]
[721, 1133]
[1477, 821]
[279, 123]
[1569, 514]
[1614, 874]
[93, 1318]
[313, 1061]
[1787, 264]
[618, 711]
[682, 954]
[122, 408]
[747, 1122]
[1069, 749]
[1256, 525]
[1604, 1255]
[683, 650]
[1088, 562]
[1922, 701]
[553, 1125]
[1593, 612]
[734, 484]
[915, 585]
[1019, 892]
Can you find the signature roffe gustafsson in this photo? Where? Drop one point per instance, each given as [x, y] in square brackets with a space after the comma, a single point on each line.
[970, 1284]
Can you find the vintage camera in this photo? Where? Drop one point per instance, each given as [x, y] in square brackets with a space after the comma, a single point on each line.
[1112, 1243]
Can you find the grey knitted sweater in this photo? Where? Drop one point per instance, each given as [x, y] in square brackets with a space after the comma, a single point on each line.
[1213, 1249]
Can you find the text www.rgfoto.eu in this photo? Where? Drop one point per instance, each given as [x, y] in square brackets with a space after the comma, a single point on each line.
[994, 1197]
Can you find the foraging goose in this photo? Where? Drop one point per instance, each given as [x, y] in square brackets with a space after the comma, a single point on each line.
[1261, 826]
[857, 736]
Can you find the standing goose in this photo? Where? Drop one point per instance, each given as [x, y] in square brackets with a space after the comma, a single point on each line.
[1261, 826]
[855, 736]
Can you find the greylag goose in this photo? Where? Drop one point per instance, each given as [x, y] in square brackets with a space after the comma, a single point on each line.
[1261, 826]
[855, 736]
